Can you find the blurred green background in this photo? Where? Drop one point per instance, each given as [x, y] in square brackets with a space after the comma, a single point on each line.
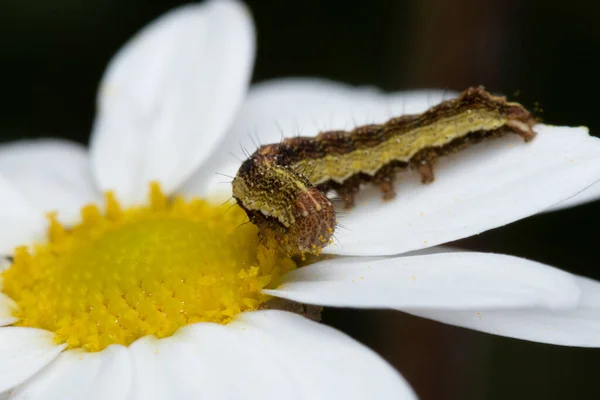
[53, 54]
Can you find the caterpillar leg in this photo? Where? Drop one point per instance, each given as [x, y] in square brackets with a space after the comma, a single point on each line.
[347, 194]
[518, 126]
[426, 171]
[384, 178]
[347, 190]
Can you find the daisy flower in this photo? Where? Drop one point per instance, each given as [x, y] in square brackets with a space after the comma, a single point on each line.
[121, 282]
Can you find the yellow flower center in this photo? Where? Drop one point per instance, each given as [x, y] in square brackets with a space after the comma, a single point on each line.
[120, 274]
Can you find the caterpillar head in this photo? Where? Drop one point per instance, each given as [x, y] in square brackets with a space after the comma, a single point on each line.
[284, 205]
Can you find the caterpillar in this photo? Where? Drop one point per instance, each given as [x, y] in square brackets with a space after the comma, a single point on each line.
[283, 187]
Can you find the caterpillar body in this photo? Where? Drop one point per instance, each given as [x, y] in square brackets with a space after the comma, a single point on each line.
[282, 187]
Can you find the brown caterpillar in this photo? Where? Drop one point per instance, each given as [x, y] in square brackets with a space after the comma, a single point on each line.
[282, 187]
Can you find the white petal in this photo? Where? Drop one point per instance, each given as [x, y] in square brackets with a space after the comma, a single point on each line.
[23, 352]
[587, 196]
[7, 308]
[590, 292]
[5, 264]
[262, 355]
[54, 175]
[169, 95]
[578, 327]
[441, 281]
[425, 251]
[77, 374]
[483, 187]
[199, 361]
[20, 222]
[298, 106]
[325, 363]
[575, 327]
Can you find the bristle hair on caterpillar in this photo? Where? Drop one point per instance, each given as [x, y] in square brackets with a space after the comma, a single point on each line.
[282, 187]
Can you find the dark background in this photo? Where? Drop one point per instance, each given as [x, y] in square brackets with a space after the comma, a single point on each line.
[53, 54]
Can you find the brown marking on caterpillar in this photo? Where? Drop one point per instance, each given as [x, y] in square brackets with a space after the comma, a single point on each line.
[282, 186]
